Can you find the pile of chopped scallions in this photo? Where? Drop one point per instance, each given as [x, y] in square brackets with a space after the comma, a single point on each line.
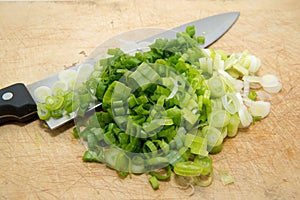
[163, 110]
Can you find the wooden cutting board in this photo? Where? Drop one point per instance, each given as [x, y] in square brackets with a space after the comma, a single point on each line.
[40, 38]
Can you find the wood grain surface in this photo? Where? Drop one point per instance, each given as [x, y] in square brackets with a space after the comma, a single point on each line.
[41, 38]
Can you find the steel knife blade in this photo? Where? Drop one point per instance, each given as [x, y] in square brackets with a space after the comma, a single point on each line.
[18, 102]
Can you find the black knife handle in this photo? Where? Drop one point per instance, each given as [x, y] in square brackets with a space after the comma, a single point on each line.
[16, 104]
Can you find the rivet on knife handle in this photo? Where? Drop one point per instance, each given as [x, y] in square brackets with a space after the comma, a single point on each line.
[16, 104]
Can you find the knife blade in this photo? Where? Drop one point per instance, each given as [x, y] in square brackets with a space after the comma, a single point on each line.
[18, 102]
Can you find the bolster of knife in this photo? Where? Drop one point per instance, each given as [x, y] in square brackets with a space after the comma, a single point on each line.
[16, 104]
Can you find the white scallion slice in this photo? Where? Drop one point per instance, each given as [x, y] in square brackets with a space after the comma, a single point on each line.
[247, 101]
[216, 86]
[206, 52]
[274, 89]
[59, 86]
[219, 118]
[241, 69]
[255, 85]
[69, 77]
[213, 135]
[224, 132]
[231, 82]
[246, 88]
[252, 79]
[245, 117]
[260, 108]
[254, 65]
[218, 62]
[84, 72]
[270, 83]
[238, 85]
[269, 80]
[229, 62]
[206, 64]
[41, 93]
[230, 103]
[263, 96]
[209, 63]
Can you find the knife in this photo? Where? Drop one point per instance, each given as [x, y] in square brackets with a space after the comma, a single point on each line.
[18, 103]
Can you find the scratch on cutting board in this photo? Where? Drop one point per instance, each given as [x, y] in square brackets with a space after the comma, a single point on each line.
[87, 2]
[139, 13]
[37, 140]
[70, 66]
[277, 190]
[71, 186]
[83, 53]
